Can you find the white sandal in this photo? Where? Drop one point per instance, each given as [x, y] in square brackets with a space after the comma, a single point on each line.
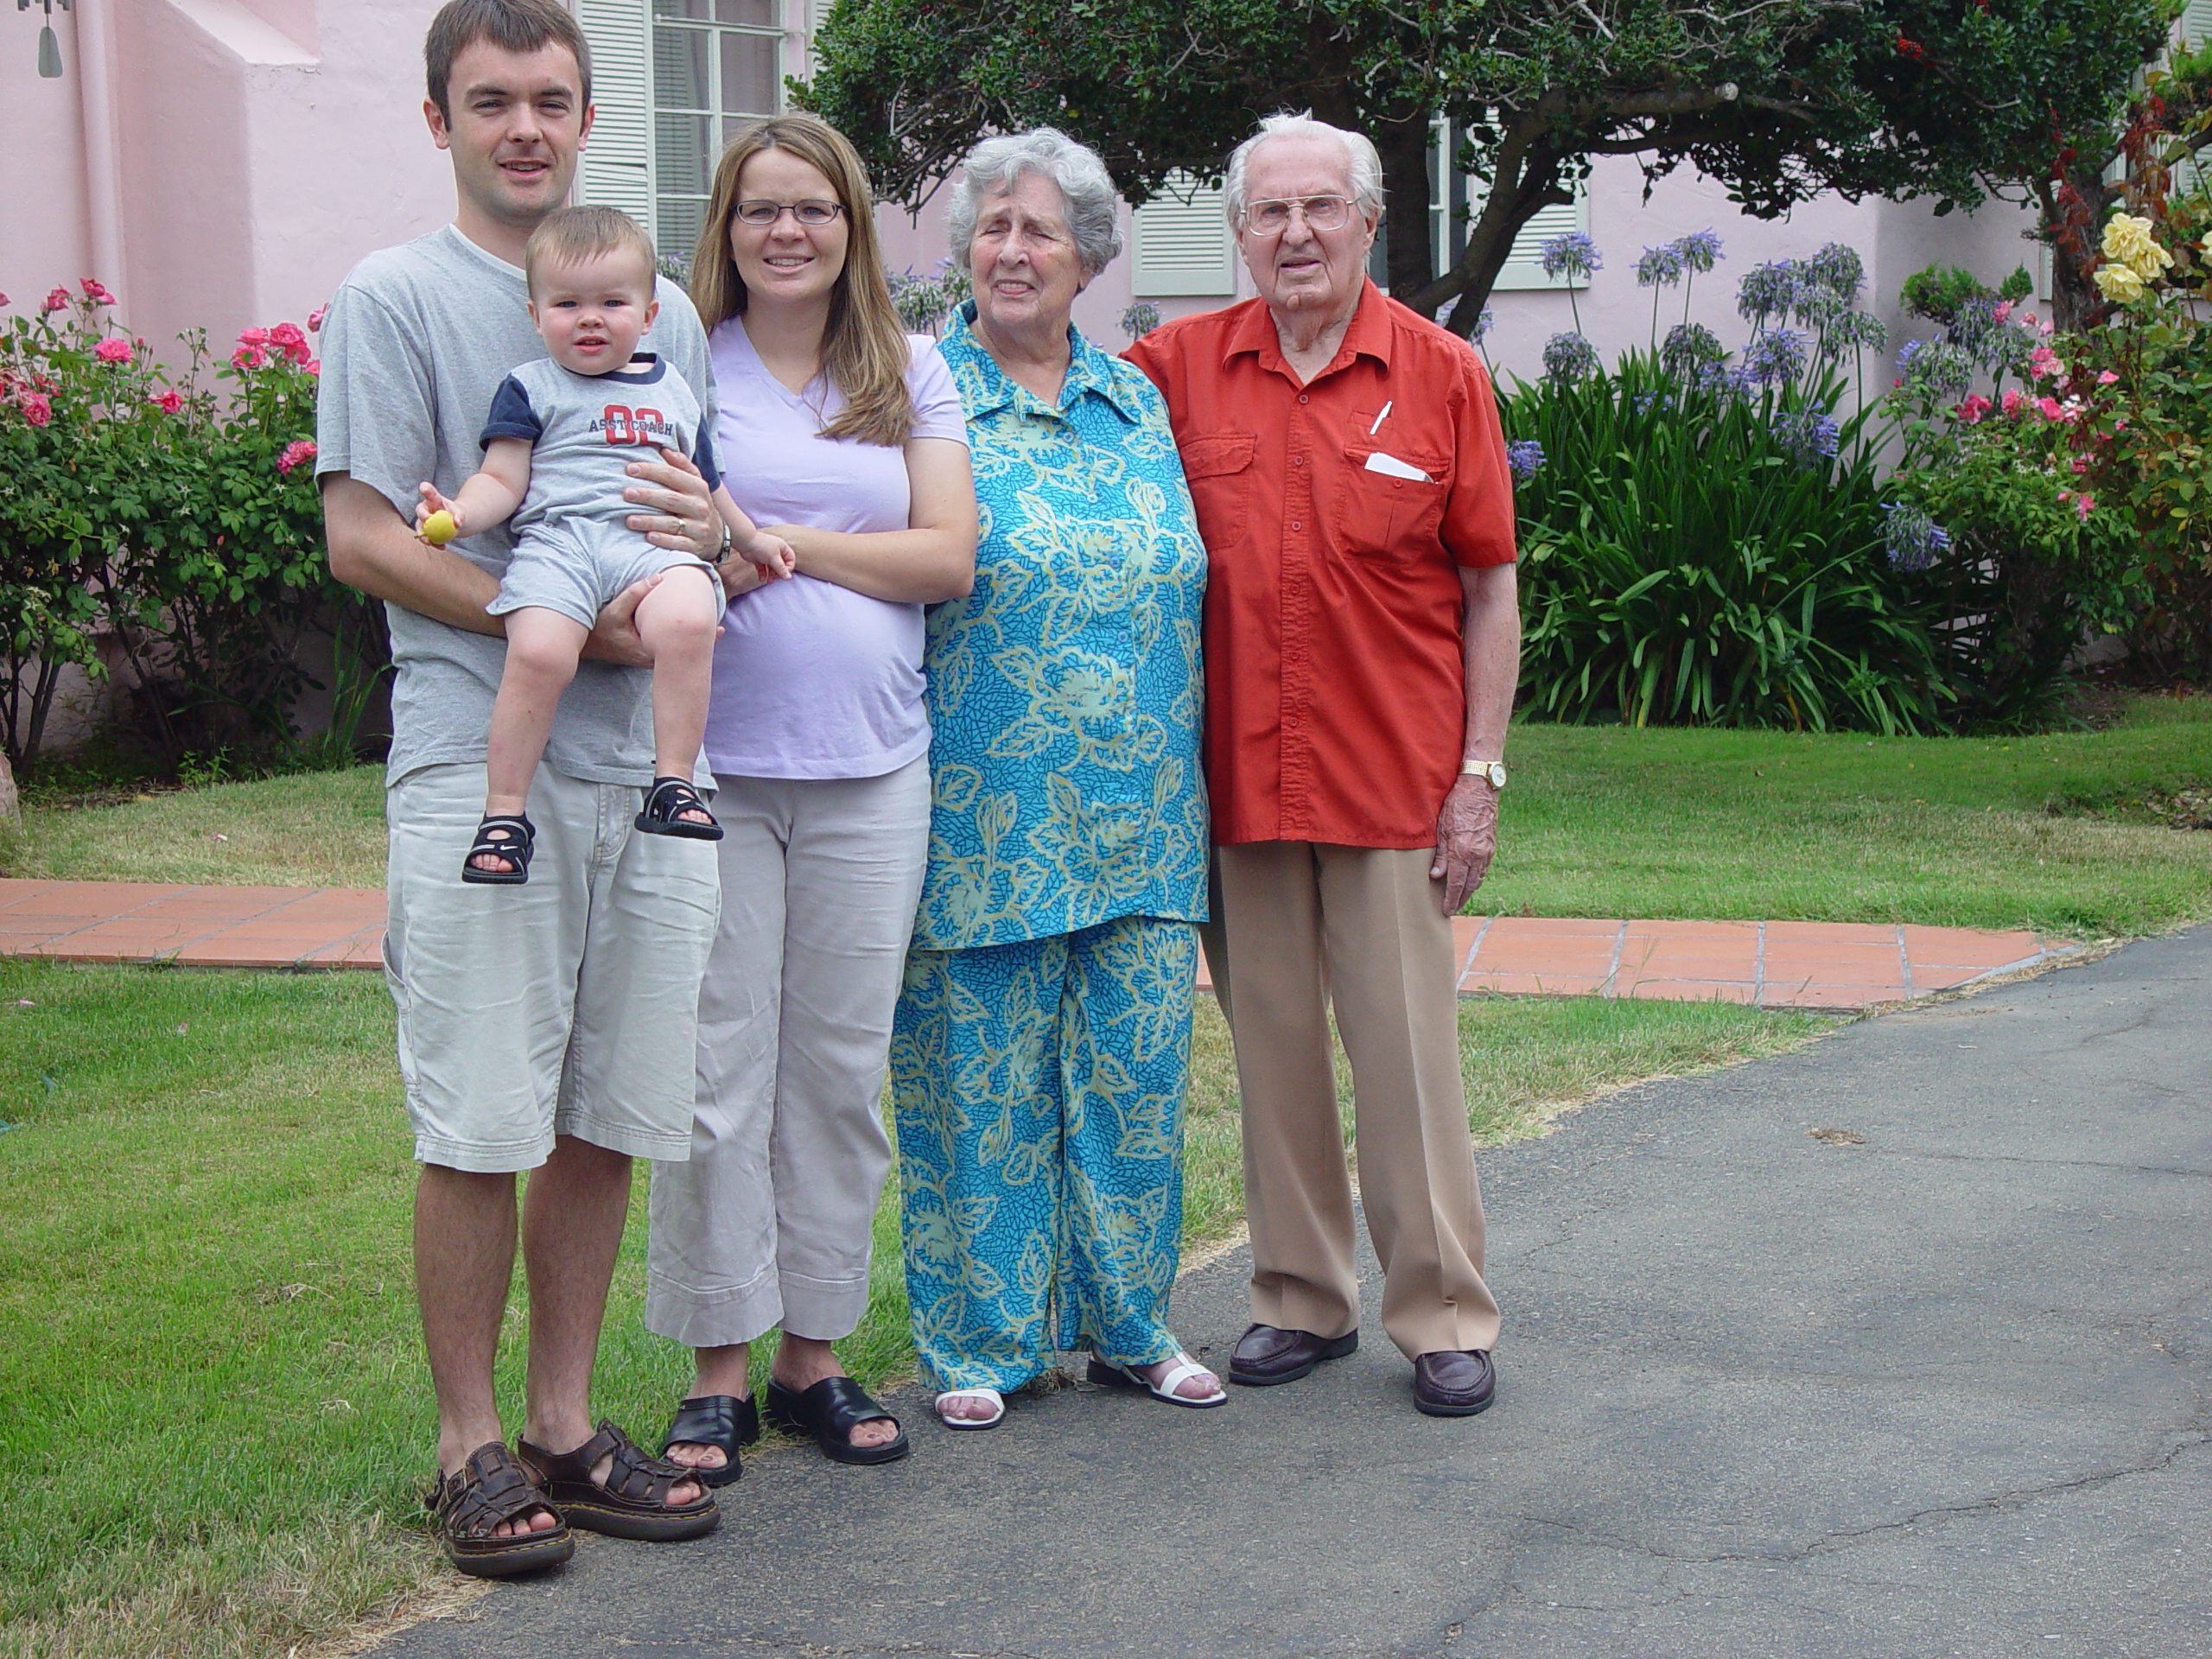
[1107, 1375]
[998, 1408]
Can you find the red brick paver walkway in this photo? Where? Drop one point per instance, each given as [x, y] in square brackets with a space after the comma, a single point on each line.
[1776, 964]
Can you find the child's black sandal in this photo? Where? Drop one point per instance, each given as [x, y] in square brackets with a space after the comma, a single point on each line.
[511, 838]
[665, 803]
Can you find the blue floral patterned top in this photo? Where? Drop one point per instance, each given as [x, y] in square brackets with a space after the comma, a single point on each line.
[1065, 691]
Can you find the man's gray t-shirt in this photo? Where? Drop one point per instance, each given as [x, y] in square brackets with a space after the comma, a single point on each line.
[415, 342]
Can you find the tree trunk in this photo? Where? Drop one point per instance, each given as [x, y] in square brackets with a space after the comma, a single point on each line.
[1526, 181]
[1408, 246]
[10, 806]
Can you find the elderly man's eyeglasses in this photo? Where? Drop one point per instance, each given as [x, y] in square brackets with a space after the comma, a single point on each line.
[1272, 218]
[760, 212]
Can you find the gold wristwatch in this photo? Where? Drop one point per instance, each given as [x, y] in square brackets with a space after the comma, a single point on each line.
[1490, 771]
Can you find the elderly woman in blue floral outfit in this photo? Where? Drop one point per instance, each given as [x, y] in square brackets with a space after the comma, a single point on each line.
[1042, 1041]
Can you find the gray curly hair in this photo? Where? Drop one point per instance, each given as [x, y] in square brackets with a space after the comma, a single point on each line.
[1362, 160]
[993, 167]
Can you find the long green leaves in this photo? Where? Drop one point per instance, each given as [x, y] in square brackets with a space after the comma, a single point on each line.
[1692, 557]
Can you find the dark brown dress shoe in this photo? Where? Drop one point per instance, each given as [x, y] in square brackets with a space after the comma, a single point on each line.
[1451, 1384]
[1267, 1355]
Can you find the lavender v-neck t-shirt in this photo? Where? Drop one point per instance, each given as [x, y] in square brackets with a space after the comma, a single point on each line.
[812, 680]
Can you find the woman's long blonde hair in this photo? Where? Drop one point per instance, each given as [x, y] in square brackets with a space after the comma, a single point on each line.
[864, 350]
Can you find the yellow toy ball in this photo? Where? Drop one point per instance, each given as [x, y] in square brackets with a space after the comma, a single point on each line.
[439, 528]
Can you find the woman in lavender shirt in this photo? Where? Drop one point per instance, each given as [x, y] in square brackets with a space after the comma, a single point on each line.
[846, 437]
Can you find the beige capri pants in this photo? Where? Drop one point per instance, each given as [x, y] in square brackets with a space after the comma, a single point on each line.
[770, 1221]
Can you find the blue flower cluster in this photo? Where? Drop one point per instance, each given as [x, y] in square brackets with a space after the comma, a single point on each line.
[1689, 348]
[1809, 435]
[1910, 538]
[1571, 254]
[1775, 356]
[1569, 357]
[1936, 369]
[1664, 266]
[1524, 457]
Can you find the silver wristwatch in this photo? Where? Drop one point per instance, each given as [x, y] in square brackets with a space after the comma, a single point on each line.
[1490, 771]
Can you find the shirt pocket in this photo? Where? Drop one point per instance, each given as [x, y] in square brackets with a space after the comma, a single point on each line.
[1380, 516]
[1219, 471]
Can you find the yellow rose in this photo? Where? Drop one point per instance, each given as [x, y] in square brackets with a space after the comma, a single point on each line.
[2128, 238]
[2119, 284]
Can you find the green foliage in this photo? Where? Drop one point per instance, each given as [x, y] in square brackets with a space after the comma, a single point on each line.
[1780, 100]
[1687, 560]
[178, 518]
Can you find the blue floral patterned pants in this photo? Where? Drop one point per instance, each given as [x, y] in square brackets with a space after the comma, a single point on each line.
[1038, 1089]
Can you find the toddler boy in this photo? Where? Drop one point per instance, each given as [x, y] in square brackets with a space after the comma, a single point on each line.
[560, 434]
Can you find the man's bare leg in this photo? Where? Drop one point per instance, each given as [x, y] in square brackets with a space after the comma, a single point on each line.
[571, 1228]
[464, 1258]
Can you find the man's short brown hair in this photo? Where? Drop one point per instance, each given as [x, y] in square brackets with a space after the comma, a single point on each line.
[574, 234]
[511, 25]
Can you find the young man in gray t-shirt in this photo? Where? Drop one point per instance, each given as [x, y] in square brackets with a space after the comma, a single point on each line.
[551, 1029]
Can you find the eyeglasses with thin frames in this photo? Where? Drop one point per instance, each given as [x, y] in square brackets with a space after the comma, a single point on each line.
[1271, 217]
[761, 212]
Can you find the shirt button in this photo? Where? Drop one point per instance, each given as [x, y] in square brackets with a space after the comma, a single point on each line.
[1298, 460]
[1295, 524]
[1303, 399]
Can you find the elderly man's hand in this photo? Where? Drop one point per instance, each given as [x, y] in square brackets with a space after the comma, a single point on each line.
[1466, 836]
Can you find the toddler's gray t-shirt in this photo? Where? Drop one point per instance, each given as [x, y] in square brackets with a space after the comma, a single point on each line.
[415, 341]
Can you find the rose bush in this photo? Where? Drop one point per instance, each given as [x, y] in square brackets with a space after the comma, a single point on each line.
[173, 518]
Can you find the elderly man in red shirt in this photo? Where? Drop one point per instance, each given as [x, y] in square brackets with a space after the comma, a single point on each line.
[1363, 636]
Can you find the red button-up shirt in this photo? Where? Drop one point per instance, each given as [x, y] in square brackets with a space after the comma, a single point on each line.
[1336, 685]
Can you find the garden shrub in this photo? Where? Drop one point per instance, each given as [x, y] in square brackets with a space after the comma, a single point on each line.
[178, 519]
[1704, 545]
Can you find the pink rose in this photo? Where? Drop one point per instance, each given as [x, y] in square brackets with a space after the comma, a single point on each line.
[315, 317]
[2105, 378]
[248, 357]
[2083, 505]
[2015, 400]
[36, 410]
[1973, 407]
[2049, 409]
[296, 452]
[314, 366]
[2003, 310]
[2080, 465]
[3, 299]
[169, 402]
[56, 300]
[254, 337]
[288, 335]
[112, 350]
[2044, 362]
[94, 292]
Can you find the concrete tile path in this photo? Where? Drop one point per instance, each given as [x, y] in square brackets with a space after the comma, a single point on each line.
[1775, 964]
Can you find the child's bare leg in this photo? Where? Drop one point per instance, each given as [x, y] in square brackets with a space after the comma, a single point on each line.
[678, 620]
[542, 650]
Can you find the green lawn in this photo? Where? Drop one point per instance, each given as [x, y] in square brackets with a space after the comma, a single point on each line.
[2060, 833]
[214, 1410]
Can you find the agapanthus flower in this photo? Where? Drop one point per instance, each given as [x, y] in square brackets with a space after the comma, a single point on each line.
[1936, 369]
[1838, 268]
[1485, 320]
[112, 350]
[1524, 456]
[1659, 267]
[1570, 254]
[1809, 435]
[1775, 355]
[1768, 293]
[1910, 538]
[1688, 348]
[298, 450]
[1698, 251]
[1569, 357]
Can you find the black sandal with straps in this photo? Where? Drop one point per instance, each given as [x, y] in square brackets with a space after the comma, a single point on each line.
[666, 803]
[503, 836]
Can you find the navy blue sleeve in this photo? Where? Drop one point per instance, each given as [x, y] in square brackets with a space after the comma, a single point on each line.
[511, 415]
[702, 456]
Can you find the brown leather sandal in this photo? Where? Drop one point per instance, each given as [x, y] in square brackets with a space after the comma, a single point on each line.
[490, 1489]
[633, 1503]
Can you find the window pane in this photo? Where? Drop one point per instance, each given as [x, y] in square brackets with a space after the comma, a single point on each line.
[760, 14]
[680, 219]
[696, 10]
[680, 69]
[684, 153]
[749, 74]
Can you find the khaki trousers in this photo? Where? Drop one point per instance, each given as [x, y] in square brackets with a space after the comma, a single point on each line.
[1299, 928]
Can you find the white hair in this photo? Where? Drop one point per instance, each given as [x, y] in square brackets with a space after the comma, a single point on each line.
[995, 166]
[1361, 160]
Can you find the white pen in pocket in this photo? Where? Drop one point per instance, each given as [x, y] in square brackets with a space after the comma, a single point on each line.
[1383, 416]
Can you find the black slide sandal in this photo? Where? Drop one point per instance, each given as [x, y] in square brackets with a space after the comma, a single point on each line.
[724, 1421]
[665, 803]
[830, 1411]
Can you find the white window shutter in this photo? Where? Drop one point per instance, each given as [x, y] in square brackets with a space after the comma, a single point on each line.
[617, 166]
[1523, 266]
[2196, 23]
[1182, 244]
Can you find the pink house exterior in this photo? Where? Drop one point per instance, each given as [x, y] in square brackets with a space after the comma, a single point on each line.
[222, 163]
